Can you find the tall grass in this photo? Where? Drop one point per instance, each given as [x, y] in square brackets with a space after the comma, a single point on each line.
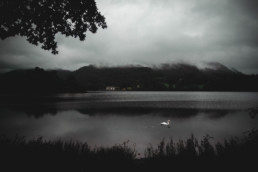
[188, 154]
[20, 154]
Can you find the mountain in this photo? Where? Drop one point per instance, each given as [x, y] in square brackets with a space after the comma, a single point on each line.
[38, 81]
[166, 77]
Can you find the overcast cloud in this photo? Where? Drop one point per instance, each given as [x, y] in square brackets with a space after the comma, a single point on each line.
[150, 32]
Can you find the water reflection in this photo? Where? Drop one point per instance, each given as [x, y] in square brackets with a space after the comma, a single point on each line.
[39, 110]
[106, 128]
[253, 112]
[106, 123]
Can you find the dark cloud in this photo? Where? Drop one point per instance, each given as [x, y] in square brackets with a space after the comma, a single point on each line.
[150, 32]
[249, 7]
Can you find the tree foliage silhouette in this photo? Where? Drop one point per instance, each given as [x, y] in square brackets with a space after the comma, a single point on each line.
[41, 20]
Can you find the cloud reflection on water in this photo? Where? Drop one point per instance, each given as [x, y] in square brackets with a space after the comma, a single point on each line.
[107, 123]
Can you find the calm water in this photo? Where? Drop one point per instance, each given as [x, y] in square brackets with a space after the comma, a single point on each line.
[109, 118]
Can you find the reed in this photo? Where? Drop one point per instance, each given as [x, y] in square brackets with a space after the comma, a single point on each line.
[20, 154]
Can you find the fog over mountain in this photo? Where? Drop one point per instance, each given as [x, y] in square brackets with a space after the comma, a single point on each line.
[165, 77]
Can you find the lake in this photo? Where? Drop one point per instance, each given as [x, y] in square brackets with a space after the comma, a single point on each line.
[109, 118]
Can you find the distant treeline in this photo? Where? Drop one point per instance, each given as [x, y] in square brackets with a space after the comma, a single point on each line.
[38, 81]
[20, 154]
[169, 77]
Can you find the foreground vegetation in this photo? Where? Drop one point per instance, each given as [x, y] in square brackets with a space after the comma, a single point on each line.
[19, 154]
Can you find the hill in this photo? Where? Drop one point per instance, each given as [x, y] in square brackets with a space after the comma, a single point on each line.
[167, 77]
[38, 81]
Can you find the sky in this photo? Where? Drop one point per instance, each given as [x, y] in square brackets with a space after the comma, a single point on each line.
[152, 32]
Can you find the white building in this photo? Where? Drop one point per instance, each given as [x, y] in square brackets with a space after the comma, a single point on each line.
[111, 88]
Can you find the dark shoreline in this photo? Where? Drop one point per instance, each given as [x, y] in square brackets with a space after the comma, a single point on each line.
[38, 154]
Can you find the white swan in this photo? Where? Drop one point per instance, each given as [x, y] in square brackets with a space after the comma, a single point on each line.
[165, 123]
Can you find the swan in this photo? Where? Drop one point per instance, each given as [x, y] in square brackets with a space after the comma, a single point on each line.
[165, 123]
